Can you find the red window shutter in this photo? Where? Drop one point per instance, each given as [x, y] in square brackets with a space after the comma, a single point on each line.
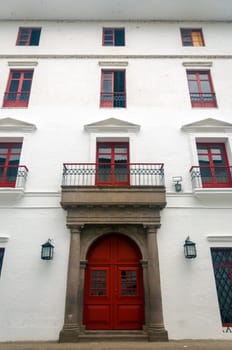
[18, 88]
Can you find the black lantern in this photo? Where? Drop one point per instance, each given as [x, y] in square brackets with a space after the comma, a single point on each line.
[177, 180]
[47, 250]
[190, 251]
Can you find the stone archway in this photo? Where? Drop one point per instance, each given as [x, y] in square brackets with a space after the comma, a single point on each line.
[82, 237]
[93, 211]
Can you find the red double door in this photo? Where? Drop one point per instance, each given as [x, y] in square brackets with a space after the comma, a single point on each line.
[113, 285]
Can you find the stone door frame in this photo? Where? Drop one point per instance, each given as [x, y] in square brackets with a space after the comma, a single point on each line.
[82, 237]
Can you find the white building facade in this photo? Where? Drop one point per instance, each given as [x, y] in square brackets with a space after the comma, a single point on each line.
[116, 144]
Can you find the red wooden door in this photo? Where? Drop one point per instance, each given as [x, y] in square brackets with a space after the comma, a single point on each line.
[113, 285]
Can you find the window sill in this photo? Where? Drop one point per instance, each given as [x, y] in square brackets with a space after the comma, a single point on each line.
[217, 194]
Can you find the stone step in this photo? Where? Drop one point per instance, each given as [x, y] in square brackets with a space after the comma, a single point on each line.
[92, 336]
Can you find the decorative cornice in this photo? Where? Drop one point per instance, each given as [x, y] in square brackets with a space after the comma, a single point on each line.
[208, 125]
[86, 56]
[15, 125]
[22, 64]
[112, 64]
[112, 125]
[197, 64]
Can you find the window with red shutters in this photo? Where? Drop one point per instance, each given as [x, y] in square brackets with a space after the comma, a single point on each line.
[113, 37]
[28, 36]
[9, 162]
[113, 89]
[201, 89]
[192, 37]
[112, 163]
[214, 167]
[18, 88]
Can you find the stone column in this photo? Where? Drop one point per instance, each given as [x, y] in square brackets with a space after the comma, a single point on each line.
[71, 329]
[156, 330]
[83, 265]
[144, 264]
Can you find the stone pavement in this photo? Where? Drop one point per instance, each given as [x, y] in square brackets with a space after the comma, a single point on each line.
[171, 345]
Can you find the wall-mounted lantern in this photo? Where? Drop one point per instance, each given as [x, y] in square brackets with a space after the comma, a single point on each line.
[177, 180]
[190, 250]
[47, 250]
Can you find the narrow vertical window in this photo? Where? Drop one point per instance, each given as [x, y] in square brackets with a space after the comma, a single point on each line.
[192, 37]
[222, 266]
[113, 37]
[201, 89]
[2, 251]
[113, 89]
[28, 36]
[18, 88]
[9, 163]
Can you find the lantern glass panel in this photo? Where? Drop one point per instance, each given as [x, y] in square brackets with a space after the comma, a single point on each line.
[47, 251]
[190, 250]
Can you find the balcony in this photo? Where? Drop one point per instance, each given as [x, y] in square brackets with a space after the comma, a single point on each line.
[210, 181]
[113, 99]
[118, 192]
[12, 181]
[16, 99]
[203, 99]
[132, 174]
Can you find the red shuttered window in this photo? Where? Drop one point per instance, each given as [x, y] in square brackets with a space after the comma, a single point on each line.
[9, 162]
[113, 37]
[113, 163]
[214, 168]
[28, 36]
[192, 37]
[201, 89]
[18, 88]
[113, 89]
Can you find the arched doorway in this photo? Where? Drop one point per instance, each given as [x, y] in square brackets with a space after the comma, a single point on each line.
[113, 298]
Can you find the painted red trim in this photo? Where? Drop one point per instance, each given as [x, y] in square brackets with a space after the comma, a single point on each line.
[112, 165]
[4, 179]
[104, 40]
[201, 98]
[25, 41]
[111, 42]
[107, 97]
[191, 31]
[214, 183]
[17, 98]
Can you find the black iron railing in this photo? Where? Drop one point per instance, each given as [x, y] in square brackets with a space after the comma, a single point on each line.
[203, 99]
[116, 99]
[17, 96]
[113, 174]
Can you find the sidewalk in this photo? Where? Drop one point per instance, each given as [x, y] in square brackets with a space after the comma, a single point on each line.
[185, 345]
